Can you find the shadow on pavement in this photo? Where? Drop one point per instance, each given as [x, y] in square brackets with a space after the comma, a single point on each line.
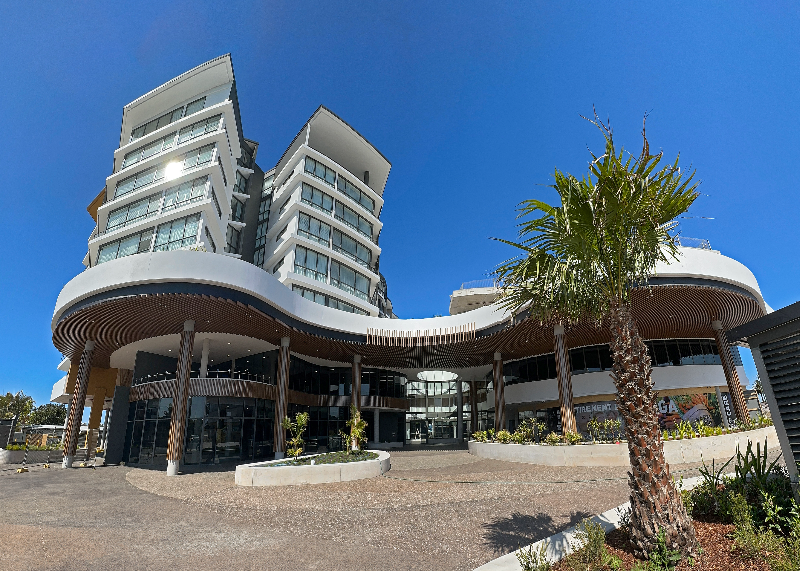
[506, 534]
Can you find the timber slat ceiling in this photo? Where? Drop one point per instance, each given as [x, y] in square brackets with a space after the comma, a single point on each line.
[669, 311]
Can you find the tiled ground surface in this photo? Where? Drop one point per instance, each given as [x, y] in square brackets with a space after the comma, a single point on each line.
[434, 510]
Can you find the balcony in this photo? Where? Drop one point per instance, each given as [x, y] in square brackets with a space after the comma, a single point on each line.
[309, 273]
[351, 290]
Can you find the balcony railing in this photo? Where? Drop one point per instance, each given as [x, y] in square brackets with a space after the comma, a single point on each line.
[349, 289]
[309, 273]
[685, 242]
[355, 258]
[224, 374]
[476, 284]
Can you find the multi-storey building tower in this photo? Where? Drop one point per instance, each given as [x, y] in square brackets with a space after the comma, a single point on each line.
[220, 297]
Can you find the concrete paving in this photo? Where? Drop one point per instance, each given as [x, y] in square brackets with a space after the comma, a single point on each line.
[434, 510]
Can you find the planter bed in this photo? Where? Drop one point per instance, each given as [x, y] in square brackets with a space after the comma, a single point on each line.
[282, 473]
[675, 451]
[328, 458]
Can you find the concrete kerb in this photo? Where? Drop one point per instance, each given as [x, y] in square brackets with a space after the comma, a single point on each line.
[264, 474]
[675, 451]
[559, 545]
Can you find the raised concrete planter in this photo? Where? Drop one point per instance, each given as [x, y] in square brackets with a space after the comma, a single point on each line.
[11, 456]
[675, 451]
[262, 474]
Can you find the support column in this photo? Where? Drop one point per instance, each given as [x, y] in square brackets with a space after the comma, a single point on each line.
[77, 402]
[459, 410]
[95, 416]
[473, 405]
[722, 413]
[376, 431]
[734, 386]
[564, 381]
[282, 401]
[355, 386]
[180, 400]
[499, 393]
[105, 431]
[204, 358]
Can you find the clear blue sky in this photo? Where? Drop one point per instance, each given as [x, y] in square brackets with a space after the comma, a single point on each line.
[474, 104]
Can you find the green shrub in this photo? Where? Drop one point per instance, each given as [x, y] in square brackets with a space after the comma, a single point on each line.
[534, 560]
[589, 551]
[662, 558]
[573, 438]
[503, 437]
[553, 439]
[479, 436]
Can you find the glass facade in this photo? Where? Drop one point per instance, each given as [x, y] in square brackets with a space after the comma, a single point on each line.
[316, 198]
[320, 171]
[349, 217]
[134, 212]
[325, 299]
[351, 248]
[264, 207]
[186, 193]
[233, 240]
[193, 158]
[147, 151]
[311, 264]
[346, 187]
[595, 358]
[349, 280]
[133, 244]
[167, 118]
[218, 430]
[177, 234]
[313, 229]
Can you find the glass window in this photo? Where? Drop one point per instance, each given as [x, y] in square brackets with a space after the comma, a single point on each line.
[148, 150]
[233, 240]
[313, 229]
[317, 169]
[177, 234]
[349, 280]
[324, 299]
[200, 128]
[350, 218]
[311, 264]
[195, 106]
[237, 210]
[186, 193]
[316, 198]
[351, 248]
[134, 212]
[157, 123]
[134, 244]
[346, 187]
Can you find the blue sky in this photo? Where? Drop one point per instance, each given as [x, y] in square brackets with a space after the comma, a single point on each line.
[474, 104]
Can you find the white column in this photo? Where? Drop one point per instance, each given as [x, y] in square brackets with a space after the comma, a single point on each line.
[459, 410]
[204, 358]
[377, 428]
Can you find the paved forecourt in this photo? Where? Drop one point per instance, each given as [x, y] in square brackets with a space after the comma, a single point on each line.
[434, 509]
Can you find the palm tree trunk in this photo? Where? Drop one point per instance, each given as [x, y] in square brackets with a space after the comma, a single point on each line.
[655, 501]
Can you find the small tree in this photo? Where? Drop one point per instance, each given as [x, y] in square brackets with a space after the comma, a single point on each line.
[297, 428]
[19, 405]
[49, 413]
[358, 430]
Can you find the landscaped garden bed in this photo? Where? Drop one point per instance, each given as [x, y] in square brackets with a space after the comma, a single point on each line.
[329, 458]
[746, 520]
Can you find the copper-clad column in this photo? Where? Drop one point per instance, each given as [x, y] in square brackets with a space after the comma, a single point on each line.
[282, 402]
[499, 394]
[564, 381]
[76, 404]
[734, 386]
[180, 400]
[355, 383]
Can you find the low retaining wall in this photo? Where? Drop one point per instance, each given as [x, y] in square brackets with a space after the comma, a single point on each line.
[675, 451]
[262, 474]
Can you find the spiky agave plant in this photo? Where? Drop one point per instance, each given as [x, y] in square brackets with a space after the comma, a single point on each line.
[581, 260]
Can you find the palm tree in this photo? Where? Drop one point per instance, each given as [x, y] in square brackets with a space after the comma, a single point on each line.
[580, 261]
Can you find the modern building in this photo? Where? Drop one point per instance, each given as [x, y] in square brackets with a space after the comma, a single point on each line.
[219, 296]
